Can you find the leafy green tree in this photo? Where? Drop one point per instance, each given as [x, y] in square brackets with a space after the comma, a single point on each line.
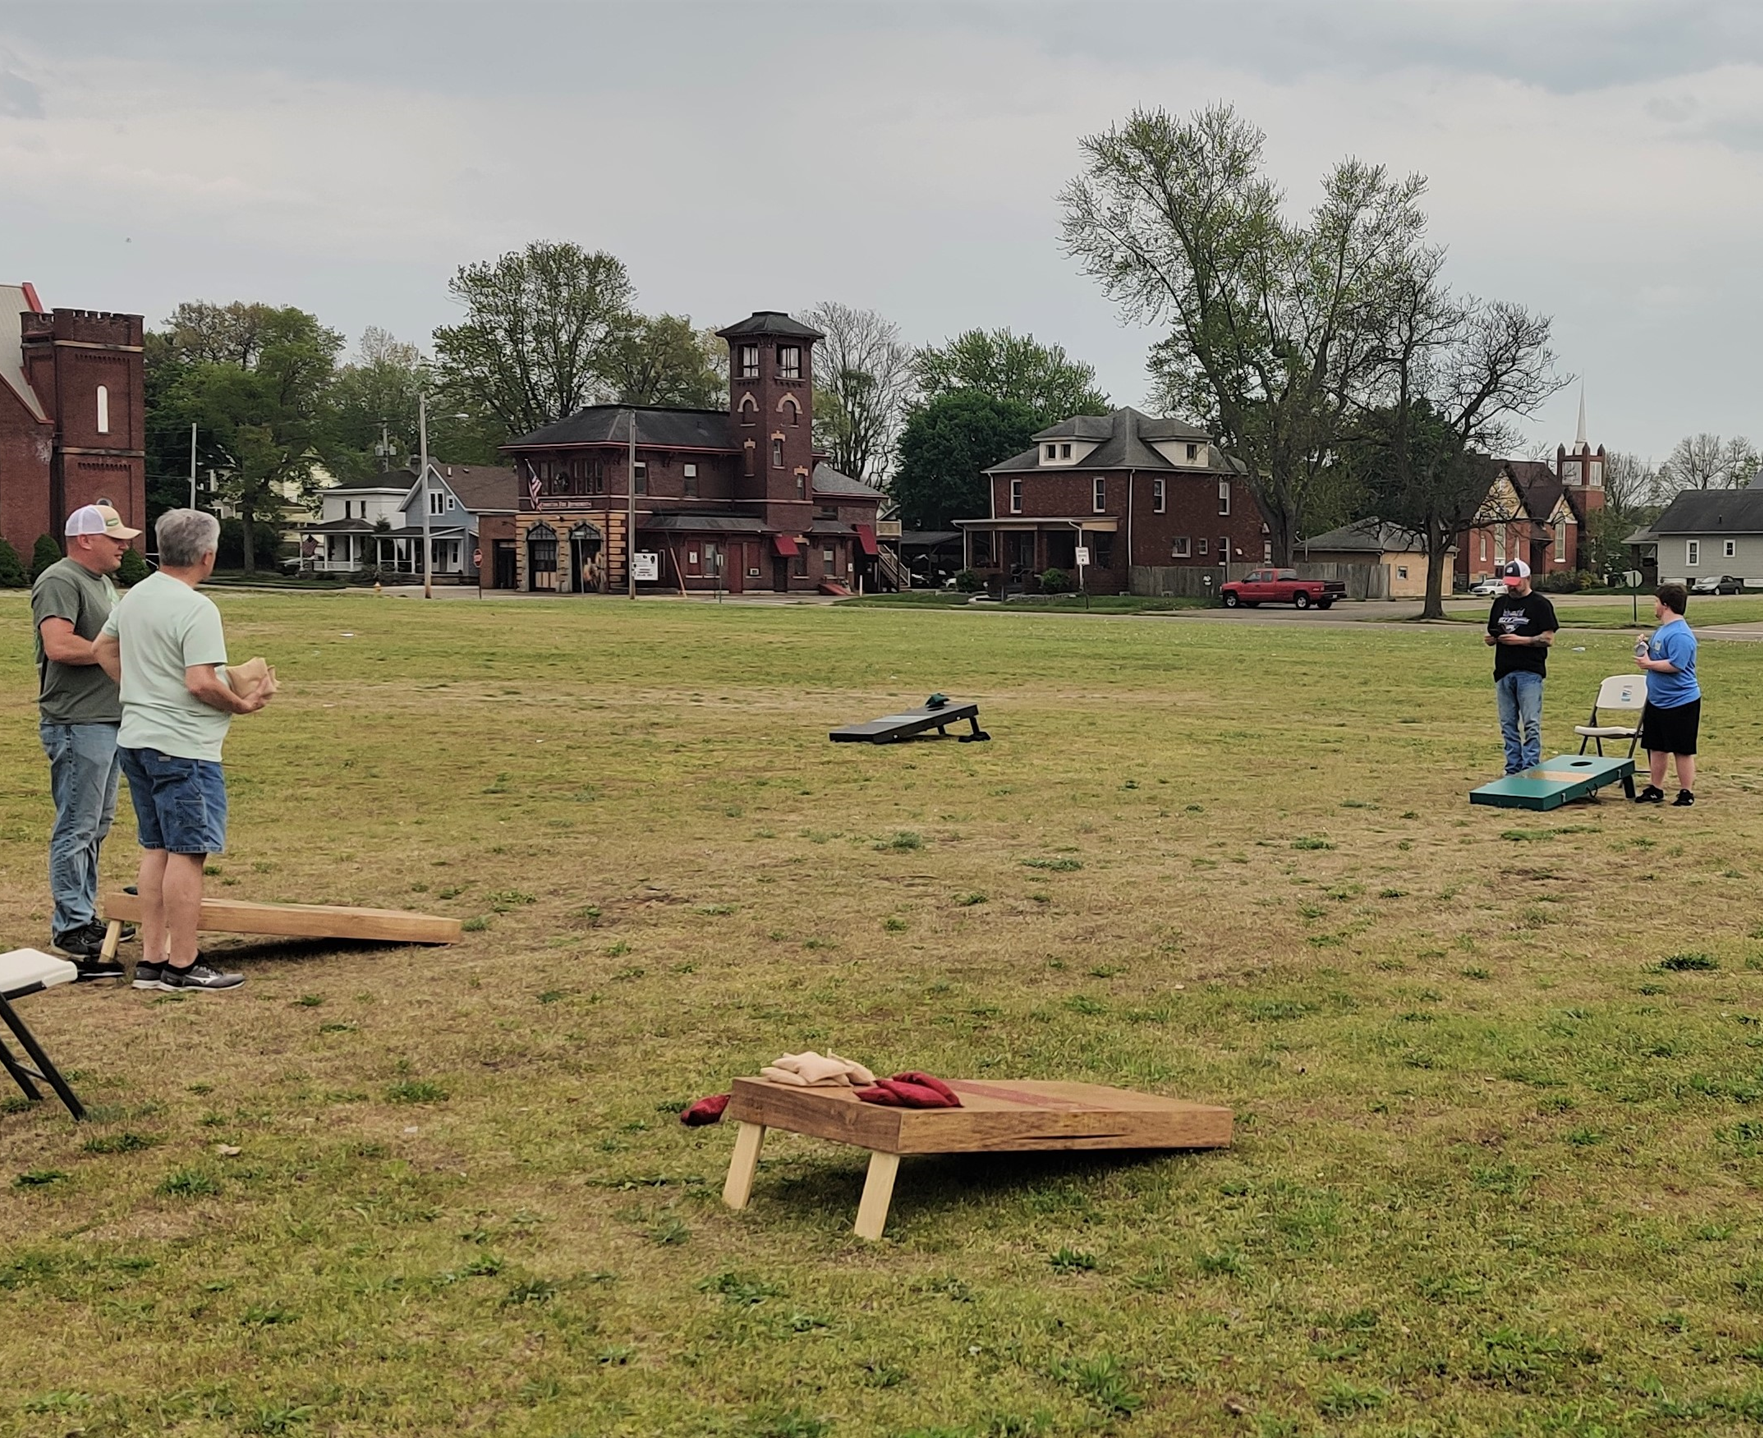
[665, 360]
[371, 415]
[43, 554]
[944, 449]
[863, 383]
[541, 336]
[13, 574]
[255, 380]
[1011, 367]
[1276, 324]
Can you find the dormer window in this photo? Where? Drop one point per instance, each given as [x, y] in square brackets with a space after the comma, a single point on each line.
[1052, 452]
[1065, 451]
[749, 361]
[1193, 452]
[789, 362]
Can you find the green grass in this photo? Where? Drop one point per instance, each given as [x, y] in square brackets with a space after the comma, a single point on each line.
[1499, 1103]
[1034, 603]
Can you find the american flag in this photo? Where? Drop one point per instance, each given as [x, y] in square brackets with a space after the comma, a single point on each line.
[532, 481]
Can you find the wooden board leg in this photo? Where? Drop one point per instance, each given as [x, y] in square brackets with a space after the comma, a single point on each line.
[878, 1193]
[112, 937]
[743, 1165]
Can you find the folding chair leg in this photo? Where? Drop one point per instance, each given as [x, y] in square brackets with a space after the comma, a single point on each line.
[20, 1074]
[45, 1067]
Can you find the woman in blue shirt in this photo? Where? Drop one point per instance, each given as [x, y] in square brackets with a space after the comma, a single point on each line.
[1674, 699]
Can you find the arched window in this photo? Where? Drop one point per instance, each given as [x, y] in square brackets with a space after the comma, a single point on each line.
[788, 405]
[749, 409]
[103, 409]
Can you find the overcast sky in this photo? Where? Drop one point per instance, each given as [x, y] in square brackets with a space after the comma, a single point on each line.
[1599, 161]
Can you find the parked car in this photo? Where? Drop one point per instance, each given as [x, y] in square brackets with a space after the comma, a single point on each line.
[1718, 584]
[1488, 588]
[1281, 586]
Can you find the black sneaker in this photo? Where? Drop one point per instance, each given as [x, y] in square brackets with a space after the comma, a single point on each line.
[90, 969]
[1650, 795]
[78, 944]
[197, 976]
[127, 934]
[147, 975]
[1684, 799]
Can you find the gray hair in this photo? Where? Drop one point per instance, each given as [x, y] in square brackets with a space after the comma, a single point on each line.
[185, 535]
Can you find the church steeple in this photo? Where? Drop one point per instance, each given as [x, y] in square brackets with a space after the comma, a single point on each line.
[1581, 469]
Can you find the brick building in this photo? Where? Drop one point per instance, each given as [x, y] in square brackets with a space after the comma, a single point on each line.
[736, 499]
[72, 427]
[1129, 489]
[1536, 512]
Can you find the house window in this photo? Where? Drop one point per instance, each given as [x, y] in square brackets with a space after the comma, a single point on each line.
[1224, 496]
[789, 403]
[1065, 451]
[1099, 495]
[1202, 547]
[1102, 551]
[747, 451]
[1731, 549]
[642, 476]
[689, 480]
[777, 452]
[1267, 551]
[449, 504]
[1157, 496]
[789, 362]
[749, 409]
[1692, 551]
[1224, 549]
[1182, 548]
[801, 485]
[1193, 451]
[1016, 496]
[1052, 451]
[103, 409]
[437, 503]
[1561, 542]
[1401, 571]
[749, 361]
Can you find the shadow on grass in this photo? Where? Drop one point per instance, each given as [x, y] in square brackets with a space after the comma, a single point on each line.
[270, 949]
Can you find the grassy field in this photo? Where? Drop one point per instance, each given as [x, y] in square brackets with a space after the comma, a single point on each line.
[1498, 1075]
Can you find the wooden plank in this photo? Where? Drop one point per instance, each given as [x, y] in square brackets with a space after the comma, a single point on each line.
[903, 726]
[878, 1193]
[305, 921]
[1555, 782]
[745, 1163]
[1026, 1115]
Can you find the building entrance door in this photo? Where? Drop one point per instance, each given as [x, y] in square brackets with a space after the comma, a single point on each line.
[1020, 553]
[586, 575]
[503, 556]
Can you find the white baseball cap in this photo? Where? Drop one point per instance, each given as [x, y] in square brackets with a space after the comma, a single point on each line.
[1516, 570]
[99, 519]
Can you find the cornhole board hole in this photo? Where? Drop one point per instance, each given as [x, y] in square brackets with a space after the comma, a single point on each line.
[30, 971]
[891, 728]
[298, 921]
[1019, 1116]
[1557, 781]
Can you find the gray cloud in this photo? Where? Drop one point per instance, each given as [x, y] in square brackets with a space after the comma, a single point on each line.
[19, 98]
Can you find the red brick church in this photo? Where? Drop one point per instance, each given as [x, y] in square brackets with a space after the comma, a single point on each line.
[736, 499]
[1537, 512]
[72, 421]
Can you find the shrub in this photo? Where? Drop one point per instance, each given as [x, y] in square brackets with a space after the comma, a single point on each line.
[969, 582]
[1567, 581]
[13, 574]
[133, 571]
[1056, 581]
[45, 553]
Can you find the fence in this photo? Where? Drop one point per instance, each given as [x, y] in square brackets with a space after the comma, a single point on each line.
[1198, 581]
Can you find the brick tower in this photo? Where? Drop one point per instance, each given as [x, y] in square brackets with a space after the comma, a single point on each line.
[1581, 469]
[771, 406]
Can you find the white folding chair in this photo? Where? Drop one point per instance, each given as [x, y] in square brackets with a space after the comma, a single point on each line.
[1619, 694]
[27, 971]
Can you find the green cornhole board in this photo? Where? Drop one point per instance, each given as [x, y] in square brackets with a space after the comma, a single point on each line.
[1555, 782]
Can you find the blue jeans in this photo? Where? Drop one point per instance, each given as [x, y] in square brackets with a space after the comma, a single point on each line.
[1520, 697]
[180, 804]
[83, 767]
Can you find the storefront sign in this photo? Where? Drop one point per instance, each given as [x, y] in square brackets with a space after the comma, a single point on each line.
[645, 567]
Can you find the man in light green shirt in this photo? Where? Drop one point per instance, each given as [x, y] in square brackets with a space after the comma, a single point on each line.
[164, 646]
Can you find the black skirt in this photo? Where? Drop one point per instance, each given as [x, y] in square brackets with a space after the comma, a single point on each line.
[1673, 730]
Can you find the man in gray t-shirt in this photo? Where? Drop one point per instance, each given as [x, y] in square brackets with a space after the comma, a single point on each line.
[78, 712]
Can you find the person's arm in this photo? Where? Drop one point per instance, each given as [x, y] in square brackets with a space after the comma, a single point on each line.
[61, 644]
[107, 655]
[204, 683]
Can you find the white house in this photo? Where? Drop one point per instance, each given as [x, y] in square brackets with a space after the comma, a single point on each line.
[1704, 533]
[377, 521]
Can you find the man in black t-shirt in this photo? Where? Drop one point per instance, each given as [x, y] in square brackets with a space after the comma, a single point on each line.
[1521, 627]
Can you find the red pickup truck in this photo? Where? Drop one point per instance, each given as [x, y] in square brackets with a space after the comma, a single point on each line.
[1281, 586]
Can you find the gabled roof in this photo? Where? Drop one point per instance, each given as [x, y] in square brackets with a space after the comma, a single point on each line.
[770, 322]
[828, 480]
[393, 481]
[14, 301]
[1537, 484]
[657, 428]
[1122, 443]
[1711, 511]
[481, 487]
[1370, 536]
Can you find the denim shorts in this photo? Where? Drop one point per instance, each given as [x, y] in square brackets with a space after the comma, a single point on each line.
[180, 804]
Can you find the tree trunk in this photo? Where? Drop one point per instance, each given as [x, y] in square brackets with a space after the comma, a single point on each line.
[1438, 553]
[248, 538]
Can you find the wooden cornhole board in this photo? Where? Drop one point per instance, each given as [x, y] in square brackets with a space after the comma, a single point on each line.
[1555, 782]
[301, 921]
[892, 728]
[1008, 1116]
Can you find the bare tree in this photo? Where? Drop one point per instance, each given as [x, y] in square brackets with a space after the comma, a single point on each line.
[862, 385]
[1705, 461]
[1275, 323]
[1631, 483]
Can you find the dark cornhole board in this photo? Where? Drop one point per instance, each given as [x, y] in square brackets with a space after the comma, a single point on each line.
[893, 727]
[1556, 781]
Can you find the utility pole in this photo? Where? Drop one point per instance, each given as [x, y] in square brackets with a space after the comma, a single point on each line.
[422, 426]
[630, 524]
[192, 466]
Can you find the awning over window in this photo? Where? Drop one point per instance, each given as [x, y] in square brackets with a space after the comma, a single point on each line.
[866, 538]
[783, 546]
